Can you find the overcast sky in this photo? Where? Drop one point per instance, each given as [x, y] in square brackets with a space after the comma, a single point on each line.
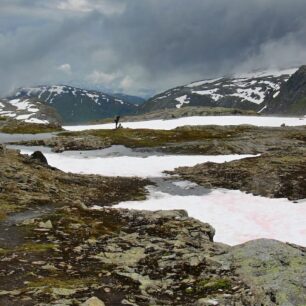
[144, 46]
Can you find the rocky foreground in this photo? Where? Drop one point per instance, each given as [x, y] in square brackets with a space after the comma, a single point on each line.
[56, 250]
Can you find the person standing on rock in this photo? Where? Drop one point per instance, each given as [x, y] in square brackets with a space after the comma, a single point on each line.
[117, 121]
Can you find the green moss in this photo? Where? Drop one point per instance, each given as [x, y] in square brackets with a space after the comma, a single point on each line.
[212, 285]
[6, 208]
[52, 282]
[29, 128]
[29, 248]
[2, 118]
[137, 138]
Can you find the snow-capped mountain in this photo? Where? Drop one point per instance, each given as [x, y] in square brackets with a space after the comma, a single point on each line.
[290, 99]
[76, 105]
[245, 91]
[29, 110]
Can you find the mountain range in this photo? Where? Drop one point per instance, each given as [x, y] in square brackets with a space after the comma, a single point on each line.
[245, 91]
[280, 92]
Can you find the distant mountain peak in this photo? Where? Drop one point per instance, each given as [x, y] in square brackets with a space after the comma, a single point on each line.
[245, 91]
[77, 105]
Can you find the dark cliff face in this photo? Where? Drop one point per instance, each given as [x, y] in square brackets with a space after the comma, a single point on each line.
[292, 96]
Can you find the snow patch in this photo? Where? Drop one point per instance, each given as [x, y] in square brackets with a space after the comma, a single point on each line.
[255, 95]
[152, 166]
[182, 100]
[197, 120]
[211, 92]
[237, 217]
[200, 83]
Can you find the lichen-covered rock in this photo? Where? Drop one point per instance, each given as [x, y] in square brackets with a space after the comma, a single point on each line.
[275, 270]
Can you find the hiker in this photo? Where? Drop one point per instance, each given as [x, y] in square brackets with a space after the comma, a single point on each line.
[117, 121]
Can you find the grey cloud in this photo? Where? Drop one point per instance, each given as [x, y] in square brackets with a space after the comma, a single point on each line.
[147, 45]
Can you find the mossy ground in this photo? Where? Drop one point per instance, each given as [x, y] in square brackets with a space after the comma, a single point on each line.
[12, 127]
[139, 138]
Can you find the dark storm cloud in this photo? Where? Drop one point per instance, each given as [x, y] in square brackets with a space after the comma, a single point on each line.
[135, 45]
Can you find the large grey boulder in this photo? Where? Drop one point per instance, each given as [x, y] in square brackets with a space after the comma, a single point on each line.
[277, 271]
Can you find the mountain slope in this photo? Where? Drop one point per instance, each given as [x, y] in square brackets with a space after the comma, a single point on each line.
[240, 91]
[291, 98]
[77, 105]
[130, 99]
[29, 110]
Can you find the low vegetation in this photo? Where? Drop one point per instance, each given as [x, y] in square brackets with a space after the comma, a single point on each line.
[18, 127]
[137, 138]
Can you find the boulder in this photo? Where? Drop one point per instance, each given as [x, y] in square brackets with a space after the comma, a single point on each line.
[39, 156]
[93, 301]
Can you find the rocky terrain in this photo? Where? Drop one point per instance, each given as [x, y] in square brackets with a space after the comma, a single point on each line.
[207, 140]
[246, 92]
[29, 110]
[76, 105]
[275, 175]
[56, 250]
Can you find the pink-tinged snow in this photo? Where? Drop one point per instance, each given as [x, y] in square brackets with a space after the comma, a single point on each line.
[152, 166]
[237, 217]
[197, 120]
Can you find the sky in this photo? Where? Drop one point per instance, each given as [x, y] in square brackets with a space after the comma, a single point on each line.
[143, 47]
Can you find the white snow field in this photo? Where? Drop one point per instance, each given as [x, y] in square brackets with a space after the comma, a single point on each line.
[237, 217]
[151, 166]
[197, 120]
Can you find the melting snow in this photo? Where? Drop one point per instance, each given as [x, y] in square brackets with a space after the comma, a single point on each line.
[237, 217]
[210, 92]
[182, 100]
[255, 95]
[197, 120]
[262, 109]
[37, 121]
[151, 166]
